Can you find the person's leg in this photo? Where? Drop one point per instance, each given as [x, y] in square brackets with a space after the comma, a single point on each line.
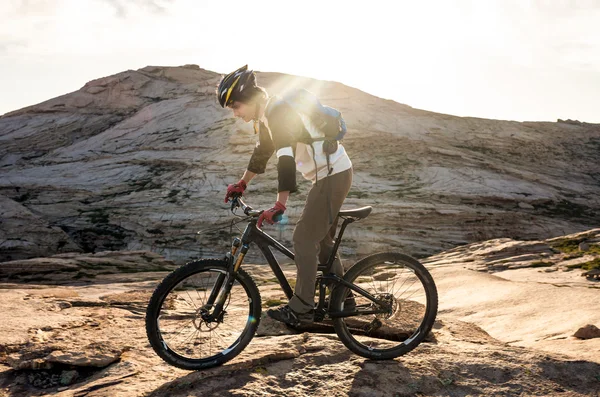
[325, 248]
[326, 245]
[315, 225]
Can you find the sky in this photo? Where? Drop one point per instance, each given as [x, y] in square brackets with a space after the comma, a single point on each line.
[517, 60]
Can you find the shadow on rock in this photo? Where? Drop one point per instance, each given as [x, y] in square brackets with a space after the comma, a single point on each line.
[280, 364]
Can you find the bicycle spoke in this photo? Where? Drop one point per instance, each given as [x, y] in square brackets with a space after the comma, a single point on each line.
[194, 333]
[183, 327]
[223, 340]
[409, 296]
[397, 278]
[199, 298]
[407, 288]
[188, 294]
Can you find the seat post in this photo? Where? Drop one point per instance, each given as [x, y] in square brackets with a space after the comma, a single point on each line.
[338, 240]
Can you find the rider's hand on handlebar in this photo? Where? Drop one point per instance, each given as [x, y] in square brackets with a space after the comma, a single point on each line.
[271, 215]
[235, 190]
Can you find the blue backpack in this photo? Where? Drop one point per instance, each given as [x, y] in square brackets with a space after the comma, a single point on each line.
[328, 120]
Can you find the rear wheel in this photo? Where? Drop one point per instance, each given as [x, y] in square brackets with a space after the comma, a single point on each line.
[177, 323]
[408, 309]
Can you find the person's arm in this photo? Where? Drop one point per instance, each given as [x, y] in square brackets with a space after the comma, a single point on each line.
[282, 197]
[260, 156]
[248, 176]
[258, 162]
[284, 124]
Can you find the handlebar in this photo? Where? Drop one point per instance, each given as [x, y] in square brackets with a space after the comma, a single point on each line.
[237, 202]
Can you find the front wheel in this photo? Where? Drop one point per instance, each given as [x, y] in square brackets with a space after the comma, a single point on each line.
[403, 317]
[178, 323]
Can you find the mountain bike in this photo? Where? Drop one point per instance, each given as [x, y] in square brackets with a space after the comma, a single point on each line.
[207, 311]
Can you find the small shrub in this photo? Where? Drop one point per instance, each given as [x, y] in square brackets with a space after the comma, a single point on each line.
[593, 264]
[155, 231]
[273, 302]
[271, 280]
[358, 194]
[567, 246]
[22, 198]
[98, 216]
[541, 264]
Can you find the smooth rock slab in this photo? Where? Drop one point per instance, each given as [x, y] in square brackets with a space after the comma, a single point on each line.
[92, 355]
[96, 356]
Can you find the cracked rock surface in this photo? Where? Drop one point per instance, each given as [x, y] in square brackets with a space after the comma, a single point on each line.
[140, 160]
[497, 333]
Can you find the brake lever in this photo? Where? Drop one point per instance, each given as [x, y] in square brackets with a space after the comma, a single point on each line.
[248, 211]
[234, 204]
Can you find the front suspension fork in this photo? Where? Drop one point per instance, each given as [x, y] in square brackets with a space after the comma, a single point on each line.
[220, 294]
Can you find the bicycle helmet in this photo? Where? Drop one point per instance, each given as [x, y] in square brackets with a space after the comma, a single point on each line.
[234, 83]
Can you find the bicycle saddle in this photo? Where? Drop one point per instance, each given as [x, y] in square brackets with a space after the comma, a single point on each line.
[357, 213]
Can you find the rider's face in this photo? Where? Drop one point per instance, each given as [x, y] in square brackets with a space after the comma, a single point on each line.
[242, 110]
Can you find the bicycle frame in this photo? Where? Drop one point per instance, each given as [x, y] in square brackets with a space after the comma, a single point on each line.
[252, 234]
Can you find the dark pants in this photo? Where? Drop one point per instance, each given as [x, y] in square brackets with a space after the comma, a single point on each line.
[314, 235]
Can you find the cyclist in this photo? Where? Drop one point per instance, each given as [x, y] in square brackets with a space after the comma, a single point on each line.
[287, 133]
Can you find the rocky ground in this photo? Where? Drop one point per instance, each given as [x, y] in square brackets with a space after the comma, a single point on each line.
[140, 160]
[73, 325]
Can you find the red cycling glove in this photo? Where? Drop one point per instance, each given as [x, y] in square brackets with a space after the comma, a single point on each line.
[235, 189]
[271, 215]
